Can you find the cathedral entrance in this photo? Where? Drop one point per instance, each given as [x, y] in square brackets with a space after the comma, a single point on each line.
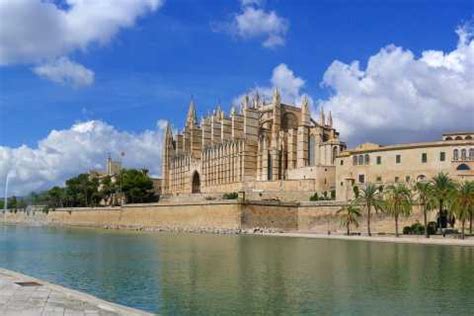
[196, 183]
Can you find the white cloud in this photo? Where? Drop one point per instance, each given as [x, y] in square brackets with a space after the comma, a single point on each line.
[291, 87]
[36, 32]
[400, 97]
[254, 22]
[66, 153]
[64, 71]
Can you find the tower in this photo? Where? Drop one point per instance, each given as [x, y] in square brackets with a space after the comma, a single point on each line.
[167, 152]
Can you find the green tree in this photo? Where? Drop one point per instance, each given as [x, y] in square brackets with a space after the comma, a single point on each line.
[370, 197]
[424, 196]
[349, 215]
[398, 202]
[463, 203]
[137, 186]
[443, 188]
[56, 197]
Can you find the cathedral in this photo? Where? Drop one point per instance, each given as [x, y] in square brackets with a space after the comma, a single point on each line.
[265, 149]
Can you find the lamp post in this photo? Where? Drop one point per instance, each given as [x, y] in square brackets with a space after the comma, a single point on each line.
[5, 204]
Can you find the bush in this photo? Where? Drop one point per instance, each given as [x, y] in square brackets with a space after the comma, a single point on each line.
[230, 196]
[333, 194]
[314, 197]
[418, 229]
[407, 230]
[432, 227]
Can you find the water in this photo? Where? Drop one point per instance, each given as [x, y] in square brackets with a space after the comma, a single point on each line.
[176, 274]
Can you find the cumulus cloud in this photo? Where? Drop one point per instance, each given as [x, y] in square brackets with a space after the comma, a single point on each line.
[65, 71]
[291, 87]
[84, 146]
[35, 31]
[253, 22]
[399, 97]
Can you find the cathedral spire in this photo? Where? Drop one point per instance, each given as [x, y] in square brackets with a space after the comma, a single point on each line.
[330, 119]
[322, 120]
[191, 119]
[276, 97]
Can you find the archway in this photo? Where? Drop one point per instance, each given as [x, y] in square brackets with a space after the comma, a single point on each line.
[196, 183]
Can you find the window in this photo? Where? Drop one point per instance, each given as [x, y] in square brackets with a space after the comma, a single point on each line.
[367, 159]
[354, 160]
[463, 154]
[456, 154]
[379, 160]
[379, 179]
[342, 183]
[361, 178]
[361, 159]
[342, 162]
[396, 179]
[442, 156]
[311, 150]
[398, 158]
[471, 153]
[463, 167]
[407, 179]
[424, 157]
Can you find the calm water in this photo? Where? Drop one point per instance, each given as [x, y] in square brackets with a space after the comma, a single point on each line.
[209, 275]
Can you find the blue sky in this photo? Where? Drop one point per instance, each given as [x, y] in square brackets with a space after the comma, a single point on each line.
[149, 71]
[82, 78]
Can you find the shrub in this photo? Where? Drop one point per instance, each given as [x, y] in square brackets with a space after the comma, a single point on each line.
[432, 226]
[314, 197]
[356, 191]
[230, 196]
[417, 229]
[333, 194]
[407, 230]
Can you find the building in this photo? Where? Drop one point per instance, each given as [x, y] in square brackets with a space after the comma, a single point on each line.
[267, 149]
[407, 163]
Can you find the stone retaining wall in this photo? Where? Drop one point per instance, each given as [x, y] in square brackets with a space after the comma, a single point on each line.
[216, 216]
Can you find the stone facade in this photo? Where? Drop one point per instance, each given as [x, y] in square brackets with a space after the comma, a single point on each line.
[264, 142]
[407, 163]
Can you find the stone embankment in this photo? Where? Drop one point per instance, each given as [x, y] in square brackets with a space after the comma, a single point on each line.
[220, 217]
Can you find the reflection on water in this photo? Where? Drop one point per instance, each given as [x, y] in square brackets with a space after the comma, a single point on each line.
[209, 275]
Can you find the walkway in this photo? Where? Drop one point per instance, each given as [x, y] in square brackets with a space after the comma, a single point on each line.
[37, 297]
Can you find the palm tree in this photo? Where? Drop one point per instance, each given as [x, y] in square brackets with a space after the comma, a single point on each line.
[398, 202]
[349, 216]
[424, 192]
[443, 187]
[370, 196]
[463, 203]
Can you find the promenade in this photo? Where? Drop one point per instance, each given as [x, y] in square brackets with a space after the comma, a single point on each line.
[36, 297]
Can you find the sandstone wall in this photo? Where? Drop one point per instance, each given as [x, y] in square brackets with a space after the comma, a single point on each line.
[316, 217]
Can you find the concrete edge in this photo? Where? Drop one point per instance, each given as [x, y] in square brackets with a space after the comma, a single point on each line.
[398, 240]
[100, 303]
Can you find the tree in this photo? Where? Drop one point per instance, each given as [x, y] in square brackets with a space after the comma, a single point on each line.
[463, 203]
[349, 215]
[398, 202]
[443, 188]
[424, 196]
[370, 196]
[137, 186]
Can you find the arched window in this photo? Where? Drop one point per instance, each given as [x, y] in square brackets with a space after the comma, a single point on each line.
[354, 160]
[463, 154]
[468, 137]
[367, 159]
[311, 150]
[421, 177]
[270, 167]
[458, 138]
[456, 154]
[334, 154]
[449, 138]
[471, 153]
[463, 167]
[361, 159]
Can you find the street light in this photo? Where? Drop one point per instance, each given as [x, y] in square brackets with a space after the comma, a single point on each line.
[5, 204]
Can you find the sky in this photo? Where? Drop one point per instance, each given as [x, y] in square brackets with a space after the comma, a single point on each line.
[83, 78]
